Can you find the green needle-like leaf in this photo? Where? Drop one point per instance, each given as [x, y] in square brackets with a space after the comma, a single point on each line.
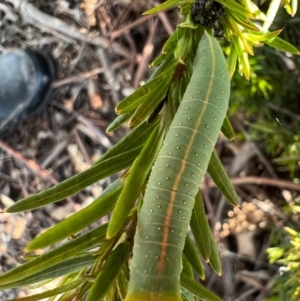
[109, 272]
[227, 129]
[197, 289]
[235, 6]
[193, 257]
[53, 257]
[80, 220]
[135, 182]
[76, 183]
[65, 267]
[54, 292]
[200, 228]
[165, 5]
[119, 120]
[156, 84]
[221, 179]
[282, 45]
[186, 266]
[117, 158]
[214, 258]
[147, 107]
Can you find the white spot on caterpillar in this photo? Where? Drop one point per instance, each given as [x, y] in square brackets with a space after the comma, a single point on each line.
[185, 201]
[177, 147]
[183, 217]
[146, 256]
[222, 92]
[157, 196]
[158, 183]
[187, 108]
[151, 210]
[180, 124]
[159, 228]
[196, 155]
[179, 211]
[145, 271]
[147, 237]
[167, 178]
[196, 83]
[207, 126]
[172, 230]
[205, 145]
[215, 119]
[158, 206]
[191, 98]
[156, 257]
[167, 258]
[167, 165]
[217, 97]
[186, 185]
[209, 135]
[220, 107]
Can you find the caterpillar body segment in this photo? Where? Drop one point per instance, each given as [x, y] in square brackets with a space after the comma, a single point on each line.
[175, 178]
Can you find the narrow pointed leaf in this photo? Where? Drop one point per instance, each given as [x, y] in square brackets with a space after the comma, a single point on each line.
[109, 272]
[221, 179]
[172, 41]
[282, 45]
[80, 220]
[242, 56]
[76, 183]
[214, 259]
[135, 182]
[186, 266]
[118, 121]
[131, 145]
[147, 107]
[136, 138]
[54, 292]
[60, 269]
[186, 295]
[227, 129]
[193, 257]
[235, 6]
[271, 13]
[294, 5]
[200, 228]
[61, 253]
[259, 36]
[165, 5]
[244, 21]
[145, 93]
[197, 289]
[232, 61]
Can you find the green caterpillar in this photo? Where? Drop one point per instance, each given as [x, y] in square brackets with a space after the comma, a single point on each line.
[175, 178]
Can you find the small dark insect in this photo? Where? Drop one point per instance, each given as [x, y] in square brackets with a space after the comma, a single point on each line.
[208, 13]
